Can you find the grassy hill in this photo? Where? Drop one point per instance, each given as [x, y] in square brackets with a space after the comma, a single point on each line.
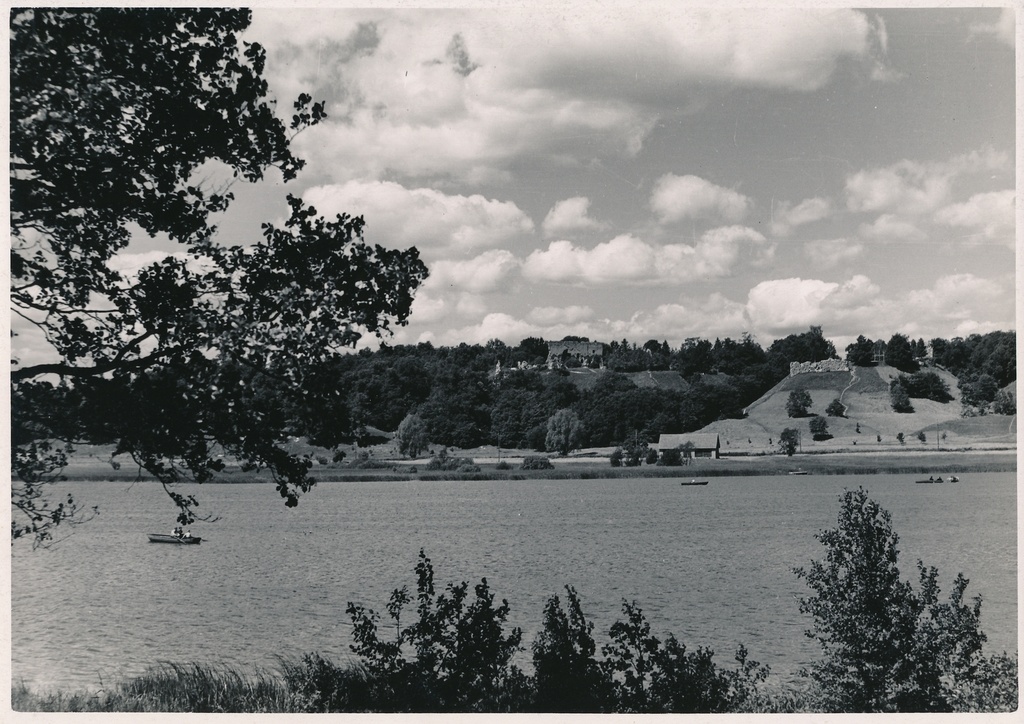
[585, 378]
[865, 392]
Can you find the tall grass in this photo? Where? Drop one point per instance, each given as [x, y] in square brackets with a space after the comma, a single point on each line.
[172, 687]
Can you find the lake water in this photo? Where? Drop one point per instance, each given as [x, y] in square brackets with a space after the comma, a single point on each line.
[711, 564]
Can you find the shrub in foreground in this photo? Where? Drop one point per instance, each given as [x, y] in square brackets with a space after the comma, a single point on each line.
[886, 646]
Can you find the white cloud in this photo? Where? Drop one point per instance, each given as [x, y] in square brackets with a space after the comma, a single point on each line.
[428, 219]
[627, 259]
[914, 188]
[453, 92]
[786, 304]
[551, 316]
[623, 259]
[1003, 29]
[891, 228]
[829, 253]
[858, 306]
[570, 215]
[990, 214]
[786, 217]
[487, 272]
[680, 197]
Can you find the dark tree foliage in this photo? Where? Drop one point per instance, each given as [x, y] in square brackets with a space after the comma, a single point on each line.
[898, 397]
[810, 346]
[885, 646]
[861, 353]
[739, 358]
[113, 111]
[455, 656]
[819, 428]
[798, 403]
[694, 357]
[836, 408]
[531, 351]
[926, 385]
[789, 441]
[567, 678]
[899, 353]
[457, 413]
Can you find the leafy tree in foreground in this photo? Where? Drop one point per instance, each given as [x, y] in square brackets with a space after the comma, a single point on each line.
[886, 647]
[210, 351]
[453, 657]
[567, 678]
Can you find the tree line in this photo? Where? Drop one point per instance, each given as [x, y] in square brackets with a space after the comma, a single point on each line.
[471, 395]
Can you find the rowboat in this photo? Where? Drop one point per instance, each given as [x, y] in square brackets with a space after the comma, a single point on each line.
[798, 472]
[950, 479]
[184, 540]
[694, 482]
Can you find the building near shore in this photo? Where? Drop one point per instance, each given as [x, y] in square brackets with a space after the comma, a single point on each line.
[704, 444]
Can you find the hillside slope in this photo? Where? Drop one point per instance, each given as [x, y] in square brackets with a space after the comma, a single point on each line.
[865, 392]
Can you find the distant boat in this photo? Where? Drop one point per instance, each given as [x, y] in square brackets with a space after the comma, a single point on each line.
[954, 479]
[935, 480]
[694, 482]
[798, 472]
[178, 540]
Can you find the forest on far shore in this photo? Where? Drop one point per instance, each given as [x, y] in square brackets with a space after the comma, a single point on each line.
[472, 395]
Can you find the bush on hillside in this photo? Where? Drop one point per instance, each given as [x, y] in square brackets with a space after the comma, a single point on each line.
[819, 428]
[926, 385]
[898, 398]
[836, 409]
[798, 403]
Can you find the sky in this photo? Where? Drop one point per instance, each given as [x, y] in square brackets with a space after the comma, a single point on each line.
[658, 172]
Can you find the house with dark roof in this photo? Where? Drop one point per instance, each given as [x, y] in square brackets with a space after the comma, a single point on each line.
[705, 444]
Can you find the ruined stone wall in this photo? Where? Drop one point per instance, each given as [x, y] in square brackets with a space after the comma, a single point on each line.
[825, 365]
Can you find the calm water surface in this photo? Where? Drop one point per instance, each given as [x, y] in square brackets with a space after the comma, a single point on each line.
[712, 564]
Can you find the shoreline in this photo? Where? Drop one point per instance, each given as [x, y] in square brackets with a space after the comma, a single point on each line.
[909, 462]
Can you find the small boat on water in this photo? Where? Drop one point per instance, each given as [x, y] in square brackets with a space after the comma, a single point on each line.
[694, 482]
[950, 479]
[798, 472]
[183, 540]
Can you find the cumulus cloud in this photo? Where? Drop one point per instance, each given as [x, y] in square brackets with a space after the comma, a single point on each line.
[680, 197]
[829, 253]
[786, 217]
[1003, 28]
[627, 259]
[434, 222]
[487, 272]
[915, 188]
[570, 215]
[989, 215]
[422, 93]
[550, 316]
[891, 228]
[858, 306]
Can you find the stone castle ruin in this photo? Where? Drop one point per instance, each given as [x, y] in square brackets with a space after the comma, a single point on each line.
[825, 365]
[584, 354]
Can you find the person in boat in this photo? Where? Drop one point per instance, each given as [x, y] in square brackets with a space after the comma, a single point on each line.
[178, 533]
